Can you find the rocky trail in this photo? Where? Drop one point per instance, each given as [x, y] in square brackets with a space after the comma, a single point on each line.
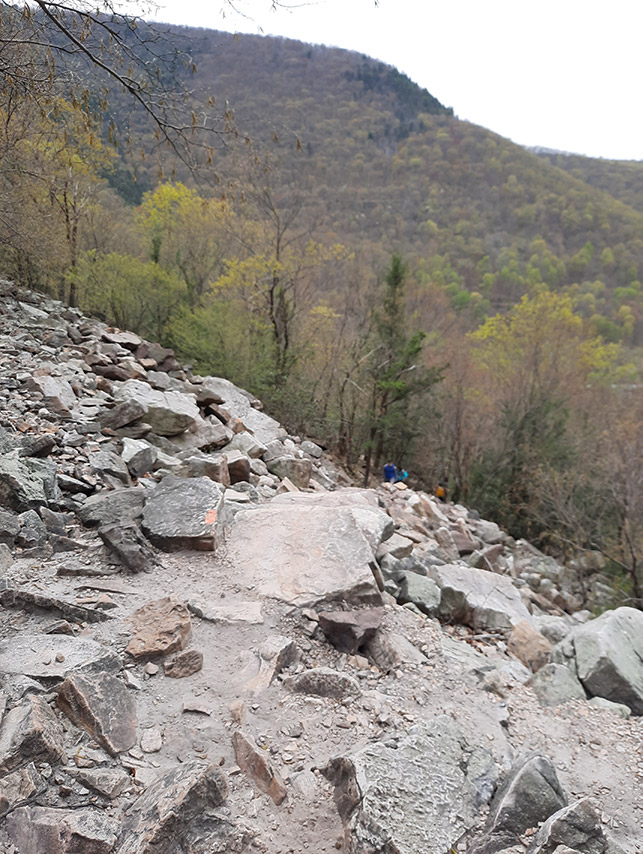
[210, 641]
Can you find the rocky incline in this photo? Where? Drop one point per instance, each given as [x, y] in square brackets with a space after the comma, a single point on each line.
[211, 642]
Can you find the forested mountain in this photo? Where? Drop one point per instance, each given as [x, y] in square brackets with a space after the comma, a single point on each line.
[382, 163]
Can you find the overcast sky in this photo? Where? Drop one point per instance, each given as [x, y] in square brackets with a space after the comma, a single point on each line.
[562, 74]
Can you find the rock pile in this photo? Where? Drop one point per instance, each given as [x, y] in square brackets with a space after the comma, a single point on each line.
[211, 642]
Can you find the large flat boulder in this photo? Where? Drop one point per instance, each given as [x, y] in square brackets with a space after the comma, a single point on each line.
[184, 513]
[55, 656]
[109, 507]
[478, 598]
[608, 656]
[420, 795]
[169, 412]
[304, 553]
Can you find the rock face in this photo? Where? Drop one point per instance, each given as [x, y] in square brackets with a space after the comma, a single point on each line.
[160, 628]
[182, 514]
[55, 831]
[102, 706]
[478, 598]
[421, 795]
[304, 554]
[608, 656]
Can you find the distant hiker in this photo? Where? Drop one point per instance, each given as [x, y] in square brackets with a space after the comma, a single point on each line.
[441, 491]
[401, 476]
[390, 473]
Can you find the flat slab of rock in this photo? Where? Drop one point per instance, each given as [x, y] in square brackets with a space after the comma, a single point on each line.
[478, 598]
[554, 684]
[420, 796]
[608, 655]
[228, 612]
[185, 514]
[182, 664]
[55, 656]
[103, 707]
[255, 765]
[302, 554]
[40, 829]
[163, 819]
[169, 412]
[18, 597]
[160, 628]
[30, 731]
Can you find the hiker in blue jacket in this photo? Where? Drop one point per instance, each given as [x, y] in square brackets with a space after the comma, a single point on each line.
[390, 473]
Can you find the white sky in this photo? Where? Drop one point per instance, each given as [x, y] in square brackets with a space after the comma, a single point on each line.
[562, 74]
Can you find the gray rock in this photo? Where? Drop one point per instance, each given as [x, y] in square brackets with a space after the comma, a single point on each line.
[420, 795]
[390, 651]
[477, 598]
[555, 629]
[103, 707]
[139, 456]
[350, 630]
[122, 414]
[577, 826]
[528, 795]
[20, 787]
[110, 782]
[177, 813]
[29, 600]
[22, 484]
[214, 466]
[305, 553]
[238, 466]
[110, 507]
[239, 404]
[616, 708]
[203, 435]
[397, 546]
[324, 682]
[39, 656]
[57, 392]
[423, 592]
[247, 444]
[9, 527]
[106, 463]
[182, 664]
[32, 533]
[311, 449]
[182, 513]
[30, 731]
[297, 470]
[608, 654]
[170, 413]
[554, 684]
[56, 831]
[130, 546]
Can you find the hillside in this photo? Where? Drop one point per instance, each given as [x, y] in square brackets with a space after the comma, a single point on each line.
[383, 166]
[212, 643]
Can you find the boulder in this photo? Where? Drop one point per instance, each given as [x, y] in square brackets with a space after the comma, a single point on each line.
[246, 444]
[554, 684]
[110, 782]
[324, 682]
[160, 628]
[184, 513]
[295, 469]
[391, 651]
[32, 533]
[478, 598]
[182, 664]
[103, 707]
[238, 466]
[9, 527]
[615, 708]
[350, 630]
[577, 827]
[529, 646]
[608, 656]
[22, 484]
[170, 413]
[304, 553]
[122, 414]
[139, 456]
[239, 404]
[203, 436]
[177, 813]
[529, 794]
[58, 831]
[57, 392]
[130, 546]
[106, 463]
[20, 787]
[423, 592]
[396, 546]
[113, 506]
[312, 449]
[255, 765]
[30, 731]
[420, 794]
[55, 656]
[214, 466]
